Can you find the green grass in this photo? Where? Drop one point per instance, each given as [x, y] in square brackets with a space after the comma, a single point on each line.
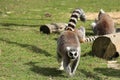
[27, 54]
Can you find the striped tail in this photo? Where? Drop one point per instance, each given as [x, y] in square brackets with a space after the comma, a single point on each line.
[91, 38]
[78, 13]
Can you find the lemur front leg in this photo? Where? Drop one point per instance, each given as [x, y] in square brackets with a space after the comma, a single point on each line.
[74, 65]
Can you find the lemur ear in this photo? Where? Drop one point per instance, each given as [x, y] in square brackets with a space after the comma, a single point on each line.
[68, 48]
[102, 11]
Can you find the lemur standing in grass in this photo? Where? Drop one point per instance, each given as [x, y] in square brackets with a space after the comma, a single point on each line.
[68, 43]
[104, 24]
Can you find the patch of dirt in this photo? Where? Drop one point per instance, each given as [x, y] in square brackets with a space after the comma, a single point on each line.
[114, 15]
[113, 64]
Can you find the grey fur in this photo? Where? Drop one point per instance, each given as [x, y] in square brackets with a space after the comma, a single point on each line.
[68, 44]
[103, 25]
[68, 51]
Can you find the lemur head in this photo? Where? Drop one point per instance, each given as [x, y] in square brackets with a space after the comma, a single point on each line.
[100, 13]
[72, 53]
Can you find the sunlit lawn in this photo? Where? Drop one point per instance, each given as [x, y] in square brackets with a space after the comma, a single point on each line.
[28, 54]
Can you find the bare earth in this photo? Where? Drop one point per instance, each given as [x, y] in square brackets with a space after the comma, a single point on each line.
[113, 64]
[114, 15]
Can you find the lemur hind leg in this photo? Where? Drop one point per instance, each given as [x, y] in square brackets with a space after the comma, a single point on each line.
[59, 59]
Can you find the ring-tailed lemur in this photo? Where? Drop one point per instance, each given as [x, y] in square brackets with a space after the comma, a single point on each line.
[68, 45]
[104, 24]
[90, 38]
[77, 13]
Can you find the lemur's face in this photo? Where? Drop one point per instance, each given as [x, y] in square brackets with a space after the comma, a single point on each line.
[72, 53]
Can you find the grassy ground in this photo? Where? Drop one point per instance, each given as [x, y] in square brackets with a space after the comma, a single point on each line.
[27, 54]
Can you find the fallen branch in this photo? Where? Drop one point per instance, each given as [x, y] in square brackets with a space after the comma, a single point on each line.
[52, 28]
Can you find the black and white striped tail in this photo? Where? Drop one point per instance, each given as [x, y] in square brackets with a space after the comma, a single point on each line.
[91, 38]
[74, 18]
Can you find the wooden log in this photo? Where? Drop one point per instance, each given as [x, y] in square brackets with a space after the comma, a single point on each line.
[52, 28]
[107, 46]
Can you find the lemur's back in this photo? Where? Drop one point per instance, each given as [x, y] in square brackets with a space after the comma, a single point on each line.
[105, 24]
[67, 38]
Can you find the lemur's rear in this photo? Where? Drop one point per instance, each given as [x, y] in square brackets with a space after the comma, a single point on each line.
[104, 24]
[68, 45]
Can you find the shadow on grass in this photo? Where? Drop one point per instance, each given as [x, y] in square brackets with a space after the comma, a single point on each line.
[108, 72]
[30, 47]
[6, 28]
[9, 29]
[55, 39]
[45, 71]
[15, 24]
[90, 34]
[91, 75]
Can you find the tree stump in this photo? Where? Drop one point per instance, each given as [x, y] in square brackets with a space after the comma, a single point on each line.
[107, 46]
[52, 28]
